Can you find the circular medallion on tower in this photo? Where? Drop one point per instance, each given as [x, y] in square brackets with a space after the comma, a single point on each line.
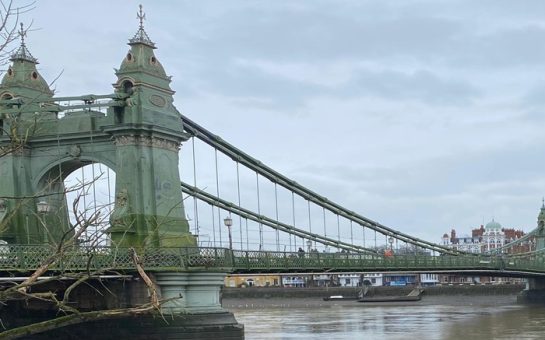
[157, 100]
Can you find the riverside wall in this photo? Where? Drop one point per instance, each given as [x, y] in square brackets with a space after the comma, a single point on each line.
[314, 292]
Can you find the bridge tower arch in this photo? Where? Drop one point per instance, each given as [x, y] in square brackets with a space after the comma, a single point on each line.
[138, 136]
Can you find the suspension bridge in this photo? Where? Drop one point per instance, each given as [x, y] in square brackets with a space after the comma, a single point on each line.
[227, 213]
[409, 253]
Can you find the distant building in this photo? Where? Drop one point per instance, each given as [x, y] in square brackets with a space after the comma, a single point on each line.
[372, 279]
[429, 279]
[325, 280]
[294, 281]
[350, 280]
[482, 239]
[252, 280]
[394, 279]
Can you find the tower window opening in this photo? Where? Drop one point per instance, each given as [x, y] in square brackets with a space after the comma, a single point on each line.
[127, 87]
[153, 60]
[34, 75]
[10, 72]
[129, 56]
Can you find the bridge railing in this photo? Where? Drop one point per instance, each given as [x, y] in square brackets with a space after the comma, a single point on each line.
[100, 258]
[26, 258]
[534, 261]
[314, 261]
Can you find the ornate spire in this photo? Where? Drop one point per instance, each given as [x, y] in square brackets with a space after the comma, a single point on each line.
[141, 37]
[541, 216]
[22, 52]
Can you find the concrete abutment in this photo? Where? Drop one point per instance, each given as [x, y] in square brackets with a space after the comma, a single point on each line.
[534, 294]
[192, 309]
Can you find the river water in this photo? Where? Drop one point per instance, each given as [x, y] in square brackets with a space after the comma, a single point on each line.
[454, 317]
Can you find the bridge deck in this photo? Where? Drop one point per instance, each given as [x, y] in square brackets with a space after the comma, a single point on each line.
[26, 258]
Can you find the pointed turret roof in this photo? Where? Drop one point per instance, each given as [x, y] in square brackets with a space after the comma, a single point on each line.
[22, 52]
[140, 65]
[22, 78]
[141, 37]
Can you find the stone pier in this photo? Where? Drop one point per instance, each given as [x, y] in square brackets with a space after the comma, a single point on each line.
[534, 292]
[193, 310]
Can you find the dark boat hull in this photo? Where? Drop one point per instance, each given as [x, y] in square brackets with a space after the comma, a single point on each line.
[390, 299]
[339, 298]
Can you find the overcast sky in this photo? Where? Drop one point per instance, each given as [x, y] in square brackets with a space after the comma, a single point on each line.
[423, 115]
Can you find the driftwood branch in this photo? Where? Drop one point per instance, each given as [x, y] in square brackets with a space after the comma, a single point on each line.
[152, 286]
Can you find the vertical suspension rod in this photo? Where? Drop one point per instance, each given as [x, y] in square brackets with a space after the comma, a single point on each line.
[293, 215]
[276, 208]
[259, 212]
[351, 233]
[195, 202]
[238, 196]
[310, 220]
[218, 193]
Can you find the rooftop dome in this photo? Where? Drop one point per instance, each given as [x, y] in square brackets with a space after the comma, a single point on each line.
[493, 225]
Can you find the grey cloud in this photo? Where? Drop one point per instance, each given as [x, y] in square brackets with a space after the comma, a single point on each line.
[444, 175]
[511, 47]
[421, 85]
[319, 32]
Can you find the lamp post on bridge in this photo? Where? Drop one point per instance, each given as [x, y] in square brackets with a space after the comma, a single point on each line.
[228, 221]
[391, 241]
[43, 208]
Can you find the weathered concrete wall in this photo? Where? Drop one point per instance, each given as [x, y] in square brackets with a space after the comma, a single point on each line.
[113, 294]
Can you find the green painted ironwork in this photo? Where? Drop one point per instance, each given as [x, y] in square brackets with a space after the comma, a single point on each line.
[255, 261]
[255, 165]
[26, 258]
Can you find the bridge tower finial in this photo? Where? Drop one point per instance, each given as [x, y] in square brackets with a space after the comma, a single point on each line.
[141, 16]
[22, 34]
[141, 37]
[22, 52]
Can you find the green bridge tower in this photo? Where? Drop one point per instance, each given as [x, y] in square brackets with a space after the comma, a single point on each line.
[138, 136]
